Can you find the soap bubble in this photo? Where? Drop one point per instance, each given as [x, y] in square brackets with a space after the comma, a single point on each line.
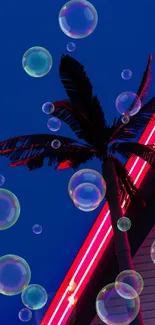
[54, 124]
[133, 279]
[37, 61]
[55, 144]
[9, 209]
[128, 103]
[87, 176]
[126, 74]
[112, 309]
[153, 252]
[15, 275]
[25, 315]
[37, 229]
[34, 296]
[86, 197]
[125, 119]
[2, 180]
[123, 224]
[39, 313]
[71, 47]
[78, 18]
[48, 108]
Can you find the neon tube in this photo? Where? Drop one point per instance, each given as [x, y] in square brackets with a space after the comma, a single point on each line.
[94, 246]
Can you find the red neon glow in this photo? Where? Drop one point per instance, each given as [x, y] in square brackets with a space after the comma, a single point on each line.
[94, 246]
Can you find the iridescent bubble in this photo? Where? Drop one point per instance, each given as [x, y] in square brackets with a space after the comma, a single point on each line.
[153, 252]
[78, 18]
[15, 275]
[37, 229]
[34, 296]
[112, 309]
[123, 224]
[2, 180]
[86, 197]
[90, 176]
[25, 315]
[133, 279]
[125, 119]
[9, 209]
[128, 103]
[48, 108]
[71, 47]
[37, 61]
[126, 74]
[39, 314]
[54, 124]
[56, 144]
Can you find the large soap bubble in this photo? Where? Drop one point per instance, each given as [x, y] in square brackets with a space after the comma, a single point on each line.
[133, 279]
[112, 309]
[15, 275]
[87, 189]
[37, 61]
[86, 197]
[34, 296]
[128, 103]
[9, 209]
[78, 18]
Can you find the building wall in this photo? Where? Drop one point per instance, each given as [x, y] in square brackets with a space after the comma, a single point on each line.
[144, 265]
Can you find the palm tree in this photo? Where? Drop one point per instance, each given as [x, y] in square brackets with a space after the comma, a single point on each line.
[83, 113]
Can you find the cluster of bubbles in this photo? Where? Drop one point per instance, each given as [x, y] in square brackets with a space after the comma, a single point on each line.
[53, 123]
[118, 303]
[124, 224]
[2, 180]
[37, 229]
[128, 104]
[71, 47]
[87, 189]
[9, 209]
[78, 19]
[126, 74]
[37, 61]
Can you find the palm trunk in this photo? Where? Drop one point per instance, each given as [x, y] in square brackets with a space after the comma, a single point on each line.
[121, 238]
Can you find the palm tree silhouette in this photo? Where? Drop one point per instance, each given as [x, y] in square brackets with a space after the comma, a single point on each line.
[84, 115]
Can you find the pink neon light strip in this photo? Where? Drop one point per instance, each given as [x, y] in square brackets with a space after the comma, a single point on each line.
[94, 246]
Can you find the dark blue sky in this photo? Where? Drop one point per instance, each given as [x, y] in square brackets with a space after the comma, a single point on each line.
[124, 38]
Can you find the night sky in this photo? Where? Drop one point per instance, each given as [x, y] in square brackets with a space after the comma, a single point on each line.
[124, 38]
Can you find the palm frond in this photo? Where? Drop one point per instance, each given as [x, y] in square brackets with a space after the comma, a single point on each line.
[127, 149]
[126, 183]
[76, 120]
[140, 120]
[84, 111]
[32, 150]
